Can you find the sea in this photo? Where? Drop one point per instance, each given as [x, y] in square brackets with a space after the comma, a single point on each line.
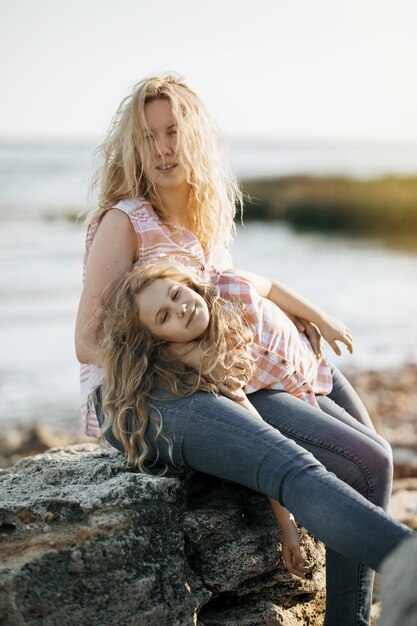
[370, 286]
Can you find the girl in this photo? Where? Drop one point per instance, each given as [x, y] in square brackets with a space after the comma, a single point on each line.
[159, 314]
[166, 188]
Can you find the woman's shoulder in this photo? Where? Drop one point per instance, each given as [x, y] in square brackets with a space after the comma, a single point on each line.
[136, 207]
[130, 208]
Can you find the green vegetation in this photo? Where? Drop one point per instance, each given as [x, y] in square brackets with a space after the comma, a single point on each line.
[381, 207]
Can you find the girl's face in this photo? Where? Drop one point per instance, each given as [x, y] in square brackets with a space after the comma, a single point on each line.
[165, 172]
[171, 311]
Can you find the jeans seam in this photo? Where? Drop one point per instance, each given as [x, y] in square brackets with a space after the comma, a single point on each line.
[326, 446]
[360, 593]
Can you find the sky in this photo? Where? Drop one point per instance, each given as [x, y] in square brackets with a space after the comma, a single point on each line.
[299, 70]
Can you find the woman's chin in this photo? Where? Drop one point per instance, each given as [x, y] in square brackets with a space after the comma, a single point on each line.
[171, 180]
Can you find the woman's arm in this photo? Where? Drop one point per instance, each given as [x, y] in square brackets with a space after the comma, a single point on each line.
[295, 305]
[112, 253]
[291, 549]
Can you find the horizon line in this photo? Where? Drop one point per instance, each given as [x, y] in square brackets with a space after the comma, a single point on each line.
[235, 140]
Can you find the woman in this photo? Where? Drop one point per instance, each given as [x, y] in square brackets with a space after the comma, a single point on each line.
[167, 190]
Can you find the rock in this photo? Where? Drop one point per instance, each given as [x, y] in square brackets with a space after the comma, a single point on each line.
[398, 586]
[85, 541]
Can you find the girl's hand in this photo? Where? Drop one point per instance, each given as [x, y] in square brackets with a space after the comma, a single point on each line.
[333, 330]
[291, 552]
[311, 332]
[230, 382]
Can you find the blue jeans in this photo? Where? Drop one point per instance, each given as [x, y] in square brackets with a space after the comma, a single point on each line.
[327, 466]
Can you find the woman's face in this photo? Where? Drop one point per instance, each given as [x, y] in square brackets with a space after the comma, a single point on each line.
[162, 139]
[171, 311]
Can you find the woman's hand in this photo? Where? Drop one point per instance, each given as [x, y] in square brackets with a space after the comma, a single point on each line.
[291, 551]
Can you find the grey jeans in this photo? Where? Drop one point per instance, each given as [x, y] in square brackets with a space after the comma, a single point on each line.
[328, 466]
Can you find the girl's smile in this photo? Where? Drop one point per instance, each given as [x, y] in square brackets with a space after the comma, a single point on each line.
[171, 311]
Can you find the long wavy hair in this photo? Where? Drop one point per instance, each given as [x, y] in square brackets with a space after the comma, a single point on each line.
[125, 155]
[136, 362]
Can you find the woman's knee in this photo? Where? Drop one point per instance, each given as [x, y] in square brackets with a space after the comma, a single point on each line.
[379, 463]
[386, 469]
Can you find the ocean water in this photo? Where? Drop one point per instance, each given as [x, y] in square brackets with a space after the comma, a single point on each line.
[371, 288]
[367, 160]
[53, 178]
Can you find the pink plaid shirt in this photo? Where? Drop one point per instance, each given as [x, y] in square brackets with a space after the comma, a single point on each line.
[284, 357]
[156, 240]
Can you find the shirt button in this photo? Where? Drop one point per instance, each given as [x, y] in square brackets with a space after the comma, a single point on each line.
[202, 268]
[266, 352]
[308, 391]
[283, 361]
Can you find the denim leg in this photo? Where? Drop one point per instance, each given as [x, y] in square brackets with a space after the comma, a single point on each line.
[211, 434]
[343, 395]
[359, 457]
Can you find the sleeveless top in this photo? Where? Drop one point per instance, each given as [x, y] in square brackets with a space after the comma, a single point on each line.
[284, 358]
[156, 240]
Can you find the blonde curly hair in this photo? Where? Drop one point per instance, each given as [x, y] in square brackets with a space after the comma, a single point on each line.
[125, 154]
[136, 362]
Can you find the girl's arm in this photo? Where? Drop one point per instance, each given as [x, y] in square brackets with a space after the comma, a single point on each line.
[111, 255]
[295, 305]
[291, 549]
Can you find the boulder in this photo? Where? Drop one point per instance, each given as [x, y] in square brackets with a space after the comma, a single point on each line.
[86, 541]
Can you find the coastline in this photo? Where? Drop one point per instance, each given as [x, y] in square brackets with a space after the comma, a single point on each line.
[381, 208]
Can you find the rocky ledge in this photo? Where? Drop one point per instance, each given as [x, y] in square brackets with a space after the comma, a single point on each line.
[85, 541]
